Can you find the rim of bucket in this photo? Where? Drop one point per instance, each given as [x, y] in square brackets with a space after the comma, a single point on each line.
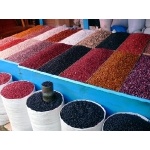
[48, 110]
[130, 113]
[21, 97]
[8, 80]
[86, 101]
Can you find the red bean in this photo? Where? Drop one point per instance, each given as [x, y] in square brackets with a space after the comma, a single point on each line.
[11, 43]
[45, 55]
[29, 52]
[17, 89]
[82, 69]
[135, 43]
[62, 35]
[4, 78]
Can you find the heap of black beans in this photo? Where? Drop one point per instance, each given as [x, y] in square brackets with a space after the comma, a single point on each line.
[82, 114]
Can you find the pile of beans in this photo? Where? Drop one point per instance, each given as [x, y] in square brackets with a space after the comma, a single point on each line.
[126, 122]
[17, 89]
[113, 41]
[4, 78]
[63, 61]
[50, 33]
[35, 102]
[62, 35]
[17, 48]
[7, 39]
[38, 32]
[94, 39]
[82, 69]
[147, 49]
[77, 37]
[11, 43]
[45, 55]
[135, 43]
[29, 52]
[138, 82]
[82, 114]
[28, 31]
[114, 70]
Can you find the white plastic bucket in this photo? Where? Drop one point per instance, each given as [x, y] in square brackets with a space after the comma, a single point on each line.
[130, 113]
[96, 127]
[47, 120]
[3, 115]
[17, 111]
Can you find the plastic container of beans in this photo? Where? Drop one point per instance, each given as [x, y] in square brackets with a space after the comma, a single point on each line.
[82, 115]
[44, 114]
[126, 121]
[14, 96]
[5, 78]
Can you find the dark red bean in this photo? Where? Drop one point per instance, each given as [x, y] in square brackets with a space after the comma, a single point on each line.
[4, 78]
[17, 89]
[82, 69]
[62, 35]
[45, 55]
[135, 43]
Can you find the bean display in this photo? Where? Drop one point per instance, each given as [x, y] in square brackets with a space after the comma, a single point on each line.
[35, 102]
[38, 32]
[17, 48]
[63, 61]
[113, 41]
[7, 40]
[4, 78]
[126, 122]
[77, 37]
[114, 70]
[11, 43]
[61, 35]
[138, 81]
[29, 52]
[82, 69]
[94, 39]
[28, 31]
[17, 89]
[45, 55]
[82, 114]
[135, 43]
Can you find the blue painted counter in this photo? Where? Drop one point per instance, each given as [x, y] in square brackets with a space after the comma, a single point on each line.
[112, 101]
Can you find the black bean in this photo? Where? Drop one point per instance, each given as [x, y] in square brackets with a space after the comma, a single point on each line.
[35, 102]
[126, 122]
[63, 61]
[82, 114]
[113, 41]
